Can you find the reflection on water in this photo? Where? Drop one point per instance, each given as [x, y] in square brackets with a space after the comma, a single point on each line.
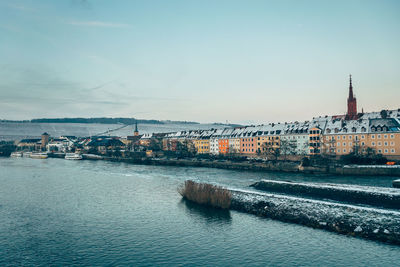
[208, 215]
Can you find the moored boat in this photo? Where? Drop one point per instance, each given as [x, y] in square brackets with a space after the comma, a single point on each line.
[16, 155]
[39, 156]
[73, 156]
[27, 154]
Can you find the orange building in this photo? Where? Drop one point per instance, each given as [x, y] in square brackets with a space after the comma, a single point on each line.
[223, 146]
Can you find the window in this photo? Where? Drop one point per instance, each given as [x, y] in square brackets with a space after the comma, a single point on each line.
[338, 150]
[391, 136]
[350, 137]
[372, 136]
[344, 150]
[363, 143]
[338, 137]
[373, 143]
[379, 136]
[386, 143]
[350, 143]
[344, 137]
[392, 143]
[386, 151]
[392, 150]
[379, 150]
[362, 136]
[344, 144]
[379, 143]
[338, 143]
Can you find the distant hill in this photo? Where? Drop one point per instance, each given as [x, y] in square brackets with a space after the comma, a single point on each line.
[103, 120]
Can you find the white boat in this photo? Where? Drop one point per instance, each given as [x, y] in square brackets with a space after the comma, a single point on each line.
[27, 154]
[73, 156]
[16, 155]
[39, 156]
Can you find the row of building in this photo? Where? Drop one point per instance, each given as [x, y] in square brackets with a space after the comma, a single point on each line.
[373, 132]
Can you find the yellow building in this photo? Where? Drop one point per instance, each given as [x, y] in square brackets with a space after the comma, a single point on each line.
[380, 136]
[315, 136]
[267, 141]
[202, 146]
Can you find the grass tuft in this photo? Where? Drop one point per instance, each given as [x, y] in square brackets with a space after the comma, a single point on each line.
[206, 194]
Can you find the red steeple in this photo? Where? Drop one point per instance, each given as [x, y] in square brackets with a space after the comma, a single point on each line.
[351, 104]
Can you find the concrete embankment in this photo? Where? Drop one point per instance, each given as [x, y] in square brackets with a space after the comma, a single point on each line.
[396, 183]
[375, 224]
[292, 167]
[375, 196]
[353, 170]
[244, 166]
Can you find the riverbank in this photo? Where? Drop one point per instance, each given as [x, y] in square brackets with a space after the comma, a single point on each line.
[292, 167]
[279, 166]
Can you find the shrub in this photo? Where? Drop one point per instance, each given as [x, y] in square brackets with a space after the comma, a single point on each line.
[206, 194]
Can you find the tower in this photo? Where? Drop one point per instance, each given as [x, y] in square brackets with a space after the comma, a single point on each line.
[45, 140]
[351, 104]
[136, 132]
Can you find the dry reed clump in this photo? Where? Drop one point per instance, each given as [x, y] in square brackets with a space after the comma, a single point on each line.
[206, 194]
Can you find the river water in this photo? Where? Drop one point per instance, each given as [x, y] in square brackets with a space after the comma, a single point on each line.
[59, 212]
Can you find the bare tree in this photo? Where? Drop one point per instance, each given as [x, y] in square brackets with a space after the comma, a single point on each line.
[271, 149]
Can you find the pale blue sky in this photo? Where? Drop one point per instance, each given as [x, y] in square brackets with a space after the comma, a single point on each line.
[241, 61]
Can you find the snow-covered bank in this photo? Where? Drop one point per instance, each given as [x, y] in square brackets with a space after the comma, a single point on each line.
[366, 222]
[376, 196]
[371, 223]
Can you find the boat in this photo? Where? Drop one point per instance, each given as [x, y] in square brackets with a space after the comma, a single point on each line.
[39, 156]
[27, 154]
[396, 183]
[73, 156]
[16, 155]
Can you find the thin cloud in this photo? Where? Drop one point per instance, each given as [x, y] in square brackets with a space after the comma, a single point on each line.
[94, 23]
[21, 7]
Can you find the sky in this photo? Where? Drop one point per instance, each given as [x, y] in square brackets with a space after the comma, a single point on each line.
[208, 61]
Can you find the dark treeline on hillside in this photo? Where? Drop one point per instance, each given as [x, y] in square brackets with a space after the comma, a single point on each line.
[98, 120]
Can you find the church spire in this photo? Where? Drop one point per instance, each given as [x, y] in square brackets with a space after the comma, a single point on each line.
[351, 89]
[351, 103]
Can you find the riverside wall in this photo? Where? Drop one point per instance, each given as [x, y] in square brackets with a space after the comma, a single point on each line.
[268, 167]
[279, 166]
